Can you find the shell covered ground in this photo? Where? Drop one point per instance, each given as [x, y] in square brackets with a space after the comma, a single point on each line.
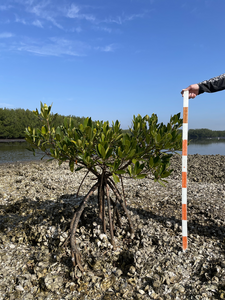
[37, 203]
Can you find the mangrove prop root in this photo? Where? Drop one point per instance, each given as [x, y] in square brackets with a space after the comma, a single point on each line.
[123, 190]
[103, 211]
[69, 236]
[110, 218]
[102, 202]
[74, 223]
[99, 204]
[81, 183]
[113, 183]
[100, 196]
[115, 190]
[71, 226]
[115, 213]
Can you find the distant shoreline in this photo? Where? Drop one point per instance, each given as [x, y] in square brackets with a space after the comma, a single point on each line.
[11, 140]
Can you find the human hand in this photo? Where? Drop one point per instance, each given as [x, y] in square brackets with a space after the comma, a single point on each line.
[193, 90]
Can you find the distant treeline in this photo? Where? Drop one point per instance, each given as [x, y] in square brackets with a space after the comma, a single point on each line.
[14, 121]
[205, 133]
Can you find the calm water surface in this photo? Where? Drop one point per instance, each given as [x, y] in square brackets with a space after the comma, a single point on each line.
[16, 151]
[207, 147]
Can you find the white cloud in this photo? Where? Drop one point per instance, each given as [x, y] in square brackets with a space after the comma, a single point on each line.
[124, 18]
[108, 48]
[48, 18]
[38, 23]
[5, 7]
[38, 10]
[18, 20]
[41, 12]
[54, 47]
[6, 35]
[77, 29]
[106, 29]
[74, 13]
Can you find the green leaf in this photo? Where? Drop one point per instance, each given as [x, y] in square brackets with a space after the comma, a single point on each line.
[56, 153]
[78, 169]
[161, 183]
[116, 164]
[103, 137]
[85, 122]
[120, 172]
[65, 123]
[71, 164]
[131, 154]
[119, 152]
[99, 148]
[129, 170]
[116, 178]
[141, 176]
[165, 174]
[108, 152]
[50, 159]
[151, 162]
[101, 151]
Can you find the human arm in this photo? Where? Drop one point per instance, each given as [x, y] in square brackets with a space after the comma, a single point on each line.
[212, 85]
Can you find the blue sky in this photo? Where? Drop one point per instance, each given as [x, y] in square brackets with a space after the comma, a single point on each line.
[112, 59]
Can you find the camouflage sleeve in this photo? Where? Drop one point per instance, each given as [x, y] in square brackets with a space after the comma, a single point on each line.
[212, 85]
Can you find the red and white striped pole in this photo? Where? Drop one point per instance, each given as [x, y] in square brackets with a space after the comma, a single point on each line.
[184, 169]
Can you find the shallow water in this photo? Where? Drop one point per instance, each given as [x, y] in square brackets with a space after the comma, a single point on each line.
[17, 151]
[207, 147]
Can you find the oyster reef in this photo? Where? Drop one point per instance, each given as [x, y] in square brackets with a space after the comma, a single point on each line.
[37, 202]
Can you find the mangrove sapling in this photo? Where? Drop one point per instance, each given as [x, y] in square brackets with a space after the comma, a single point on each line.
[109, 155]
